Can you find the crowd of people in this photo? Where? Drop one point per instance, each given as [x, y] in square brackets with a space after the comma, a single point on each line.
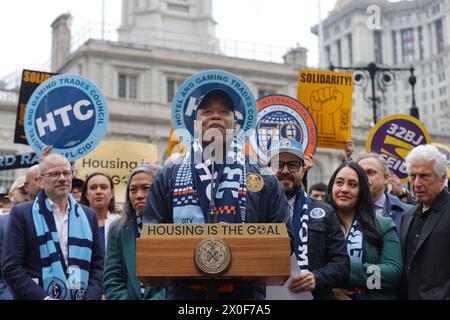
[352, 239]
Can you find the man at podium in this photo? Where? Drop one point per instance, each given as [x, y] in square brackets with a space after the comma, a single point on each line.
[216, 183]
[319, 245]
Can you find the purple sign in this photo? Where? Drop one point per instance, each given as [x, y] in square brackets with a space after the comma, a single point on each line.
[394, 137]
[445, 151]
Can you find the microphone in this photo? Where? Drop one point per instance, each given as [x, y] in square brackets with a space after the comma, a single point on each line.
[212, 287]
[212, 216]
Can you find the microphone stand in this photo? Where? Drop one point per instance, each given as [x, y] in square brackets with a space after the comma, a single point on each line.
[212, 287]
[212, 217]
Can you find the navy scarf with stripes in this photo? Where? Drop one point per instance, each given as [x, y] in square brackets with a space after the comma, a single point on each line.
[193, 187]
[300, 224]
[58, 280]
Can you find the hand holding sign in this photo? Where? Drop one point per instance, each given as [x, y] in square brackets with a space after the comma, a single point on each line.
[46, 152]
[309, 162]
[348, 150]
[396, 184]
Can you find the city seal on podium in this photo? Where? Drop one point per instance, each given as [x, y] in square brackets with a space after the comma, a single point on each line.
[212, 256]
[255, 182]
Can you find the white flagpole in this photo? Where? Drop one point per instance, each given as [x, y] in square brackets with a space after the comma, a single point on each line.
[322, 62]
[103, 19]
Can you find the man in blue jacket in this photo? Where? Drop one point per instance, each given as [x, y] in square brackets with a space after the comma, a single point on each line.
[320, 249]
[52, 248]
[386, 204]
[18, 195]
[241, 192]
[5, 292]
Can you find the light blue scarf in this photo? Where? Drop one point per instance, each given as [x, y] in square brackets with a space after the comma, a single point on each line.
[58, 280]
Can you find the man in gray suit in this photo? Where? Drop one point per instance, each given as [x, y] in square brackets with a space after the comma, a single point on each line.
[425, 232]
[386, 204]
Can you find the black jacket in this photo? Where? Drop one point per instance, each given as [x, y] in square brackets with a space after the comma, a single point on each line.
[327, 251]
[427, 276]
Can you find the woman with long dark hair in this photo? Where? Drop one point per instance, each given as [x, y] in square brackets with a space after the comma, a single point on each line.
[372, 242]
[119, 276]
[98, 194]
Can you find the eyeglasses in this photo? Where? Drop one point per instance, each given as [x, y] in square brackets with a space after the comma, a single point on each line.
[293, 166]
[57, 174]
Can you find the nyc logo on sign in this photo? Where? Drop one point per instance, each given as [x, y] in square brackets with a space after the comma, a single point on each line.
[394, 137]
[279, 117]
[68, 112]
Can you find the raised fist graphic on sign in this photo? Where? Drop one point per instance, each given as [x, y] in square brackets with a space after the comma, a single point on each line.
[325, 103]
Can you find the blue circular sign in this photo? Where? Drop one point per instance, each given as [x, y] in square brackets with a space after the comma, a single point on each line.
[279, 117]
[184, 104]
[67, 112]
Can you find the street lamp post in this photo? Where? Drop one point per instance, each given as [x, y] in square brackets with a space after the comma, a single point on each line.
[414, 111]
[372, 69]
[382, 78]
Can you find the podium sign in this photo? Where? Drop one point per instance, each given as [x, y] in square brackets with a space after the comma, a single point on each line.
[247, 252]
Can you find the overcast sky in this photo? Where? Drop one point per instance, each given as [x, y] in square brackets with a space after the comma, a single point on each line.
[26, 33]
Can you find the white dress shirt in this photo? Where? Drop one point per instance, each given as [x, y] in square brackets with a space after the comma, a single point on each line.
[62, 228]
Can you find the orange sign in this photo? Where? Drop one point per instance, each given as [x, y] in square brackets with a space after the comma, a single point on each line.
[328, 96]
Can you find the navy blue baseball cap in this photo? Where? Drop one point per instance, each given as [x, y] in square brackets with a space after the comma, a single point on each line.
[219, 94]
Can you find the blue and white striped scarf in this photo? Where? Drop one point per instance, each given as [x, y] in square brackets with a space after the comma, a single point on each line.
[59, 281]
[300, 219]
[355, 243]
[192, 188]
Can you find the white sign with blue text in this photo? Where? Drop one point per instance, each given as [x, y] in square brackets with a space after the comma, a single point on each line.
[68, 112]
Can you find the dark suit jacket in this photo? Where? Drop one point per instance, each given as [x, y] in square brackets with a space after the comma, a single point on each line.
[427, 276]
[22, 261]
[327, 252]
[396, 209]
[5, 292]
